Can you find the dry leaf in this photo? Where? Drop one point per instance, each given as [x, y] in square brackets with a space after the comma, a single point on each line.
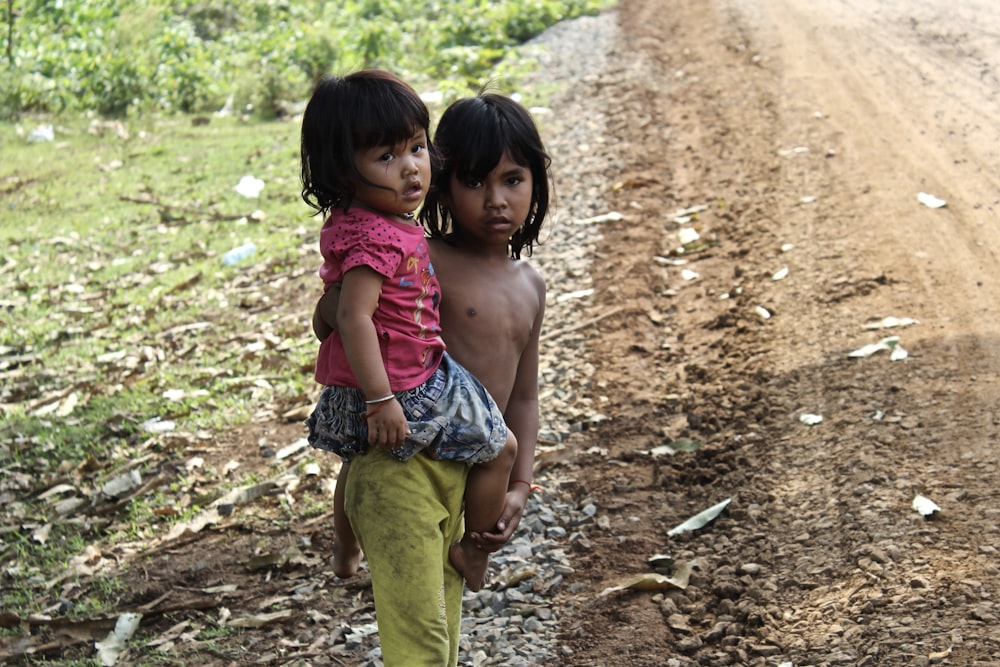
[701, 519]
[655, 582]
[260, 620]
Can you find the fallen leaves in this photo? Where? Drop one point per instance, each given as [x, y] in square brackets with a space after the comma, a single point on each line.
[701, 519]
[654, 582]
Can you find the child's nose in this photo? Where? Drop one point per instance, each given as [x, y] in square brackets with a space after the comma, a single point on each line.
[495, 200]
[411, 165]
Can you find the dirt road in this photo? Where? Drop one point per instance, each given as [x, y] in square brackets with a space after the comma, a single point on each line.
[808, 130]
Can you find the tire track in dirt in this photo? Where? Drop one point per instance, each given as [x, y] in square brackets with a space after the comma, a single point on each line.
[845, 572]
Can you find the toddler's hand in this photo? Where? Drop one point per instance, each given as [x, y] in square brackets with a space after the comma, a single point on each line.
[387, 427]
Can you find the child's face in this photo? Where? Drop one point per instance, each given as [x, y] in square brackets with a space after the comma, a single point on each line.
[403, 172]
[492, 209]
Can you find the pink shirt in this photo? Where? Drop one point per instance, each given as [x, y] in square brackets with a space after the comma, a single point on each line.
[406, 319]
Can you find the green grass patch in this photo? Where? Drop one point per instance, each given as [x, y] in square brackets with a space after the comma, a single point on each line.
[118, 308]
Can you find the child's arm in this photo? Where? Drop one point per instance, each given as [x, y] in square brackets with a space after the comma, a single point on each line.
[325, 313]
[359, 295]
[521, 416]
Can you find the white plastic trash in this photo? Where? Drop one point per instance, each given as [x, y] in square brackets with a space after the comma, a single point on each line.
[238, 254]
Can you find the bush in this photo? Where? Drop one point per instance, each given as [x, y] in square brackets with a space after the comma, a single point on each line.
[118, 56]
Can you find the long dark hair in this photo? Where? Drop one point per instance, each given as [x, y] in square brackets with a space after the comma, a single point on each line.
[471, 138]
[346, 114]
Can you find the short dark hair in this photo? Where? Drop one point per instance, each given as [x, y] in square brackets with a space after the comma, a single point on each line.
[350, 113]
[470, 140]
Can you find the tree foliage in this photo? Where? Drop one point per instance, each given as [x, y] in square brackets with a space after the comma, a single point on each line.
[119, 57]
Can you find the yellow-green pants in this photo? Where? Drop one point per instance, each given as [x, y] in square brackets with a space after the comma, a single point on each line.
[406, 515]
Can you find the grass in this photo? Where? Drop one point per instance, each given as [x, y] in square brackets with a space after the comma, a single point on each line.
[117, 316]
[112, 261]
[117, 311]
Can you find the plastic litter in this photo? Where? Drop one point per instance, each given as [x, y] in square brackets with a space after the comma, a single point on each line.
[42, 133]
[111, 647]
[896, 352]
[249, 186]
[684, 215]
[925, 506]
[930, 201]
[612, 216]
[891, 323]
[688, 235]
[578, 294]
[699, 520]
[238, 254]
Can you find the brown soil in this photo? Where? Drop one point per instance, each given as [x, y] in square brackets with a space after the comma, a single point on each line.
[820, 558]
[807, 129]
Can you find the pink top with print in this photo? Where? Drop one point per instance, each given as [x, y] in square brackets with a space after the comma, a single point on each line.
[406, 318]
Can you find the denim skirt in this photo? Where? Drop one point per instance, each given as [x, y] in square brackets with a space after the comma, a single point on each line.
[451, 418]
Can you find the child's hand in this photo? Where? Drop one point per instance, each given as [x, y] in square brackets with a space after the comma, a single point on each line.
[509, 520]
[325, 313]
[387, 425]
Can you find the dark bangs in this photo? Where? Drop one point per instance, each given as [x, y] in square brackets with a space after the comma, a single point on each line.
[385, 115]
[476, 140]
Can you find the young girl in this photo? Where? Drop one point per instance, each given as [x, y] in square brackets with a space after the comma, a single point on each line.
[388, 382]
[486, 206]
[488, 199]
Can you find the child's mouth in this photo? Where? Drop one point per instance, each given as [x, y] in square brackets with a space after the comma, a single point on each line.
[413, 192]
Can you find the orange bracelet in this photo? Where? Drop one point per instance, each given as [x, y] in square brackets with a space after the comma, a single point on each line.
[531, 487]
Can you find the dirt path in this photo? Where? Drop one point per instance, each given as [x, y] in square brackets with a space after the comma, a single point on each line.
[807, 128]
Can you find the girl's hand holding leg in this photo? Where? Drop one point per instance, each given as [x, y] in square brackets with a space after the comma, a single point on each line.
[510, 518]
[387, 427]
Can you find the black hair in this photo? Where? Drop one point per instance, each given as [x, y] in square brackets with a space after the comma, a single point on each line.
[470, 140]
[346, 114]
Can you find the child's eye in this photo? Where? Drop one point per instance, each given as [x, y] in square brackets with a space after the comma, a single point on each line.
[385, 157]
[514, 180]
[473, 183]
[418, 148]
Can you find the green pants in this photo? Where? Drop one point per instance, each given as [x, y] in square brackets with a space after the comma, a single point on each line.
[406, 515]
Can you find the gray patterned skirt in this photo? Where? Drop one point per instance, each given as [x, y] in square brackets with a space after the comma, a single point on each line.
[451, 418]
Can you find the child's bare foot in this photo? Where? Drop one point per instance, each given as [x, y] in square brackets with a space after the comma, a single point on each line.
[346, 559]
[471, 562]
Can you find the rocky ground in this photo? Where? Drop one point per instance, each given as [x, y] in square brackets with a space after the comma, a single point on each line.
[737, 212]
[806, 130]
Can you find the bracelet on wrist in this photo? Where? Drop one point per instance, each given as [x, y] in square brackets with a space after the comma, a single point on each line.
[531, 487]
[374, 410]
[376, 401]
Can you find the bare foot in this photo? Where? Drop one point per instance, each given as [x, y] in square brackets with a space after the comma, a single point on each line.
[346, 559]
[471, 562]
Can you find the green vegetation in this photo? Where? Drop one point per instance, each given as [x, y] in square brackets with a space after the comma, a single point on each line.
[118, 57]
[113, 238]
[118, 315]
